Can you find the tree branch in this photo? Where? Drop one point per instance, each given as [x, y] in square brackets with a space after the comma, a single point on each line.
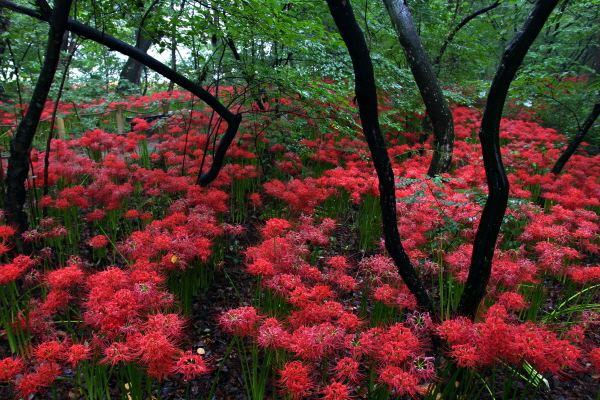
[454, 31]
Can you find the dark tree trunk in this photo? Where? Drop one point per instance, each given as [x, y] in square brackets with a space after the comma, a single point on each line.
[435, 102]
[366, 96]
[233, 120]
[4, 25]
[20, 145]
[570, 150]
[132, 70]
[489, 135]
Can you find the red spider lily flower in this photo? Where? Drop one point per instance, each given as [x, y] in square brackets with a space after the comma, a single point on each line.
[65, 278]
[77, 353]
[117, 353]
[95, 215]
[49, 351]
[132, 214]
[10, 368]
[171, 325]
[512, 301]
[347, 369]
[594, 357]
[98, 241]
[295, 380]
[41, 379]
[271, 334]
[7, 231]
[261, 266]
[467, 355]
[191, 366]
[337, 391]
[275, 227]
[400, 382]
[241, 321]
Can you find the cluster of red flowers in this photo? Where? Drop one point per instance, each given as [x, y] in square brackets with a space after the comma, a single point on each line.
[139, 188]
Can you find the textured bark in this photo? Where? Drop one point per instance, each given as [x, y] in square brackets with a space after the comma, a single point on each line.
[570, 150]
[233, 120]
[20, 144]
[435, 102]
[366, 96]
[489, 135]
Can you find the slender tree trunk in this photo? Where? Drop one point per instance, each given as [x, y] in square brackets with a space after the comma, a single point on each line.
[435, 102]
[570, 150]
[20, 145]
[366, 96]
[489, 135]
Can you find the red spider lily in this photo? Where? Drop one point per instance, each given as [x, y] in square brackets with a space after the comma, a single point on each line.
[191, 366]
[241, 321]
[77, 353]
[41, 379]
[118, 353]
[337, 391]
[295, 380]
[10, 368]
[271, 334]
[400, 382]
[65, 278]
[347, 369]
[99, 241]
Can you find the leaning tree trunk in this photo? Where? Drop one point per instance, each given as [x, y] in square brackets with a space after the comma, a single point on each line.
[366, 96]
[20, 145]
[489, 135]
[570, 150]
[435, 102]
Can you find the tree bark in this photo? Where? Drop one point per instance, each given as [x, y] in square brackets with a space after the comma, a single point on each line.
[233, 120]
[366, 96]
[570, 150]
[20, 144]
[489, 135]
[435, 102]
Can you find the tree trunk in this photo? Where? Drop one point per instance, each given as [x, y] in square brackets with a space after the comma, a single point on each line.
[132, 70]
[4, 25]
[20, 145]
[570, 150]
[489, 135]
[366, 96]
[435, 102]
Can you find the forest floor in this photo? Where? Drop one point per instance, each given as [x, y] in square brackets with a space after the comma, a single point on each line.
[230, 288]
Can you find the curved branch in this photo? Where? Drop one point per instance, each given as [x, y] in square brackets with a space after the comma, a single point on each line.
[454, 31]
[489, 135]
[233, 120]
[366, 96]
